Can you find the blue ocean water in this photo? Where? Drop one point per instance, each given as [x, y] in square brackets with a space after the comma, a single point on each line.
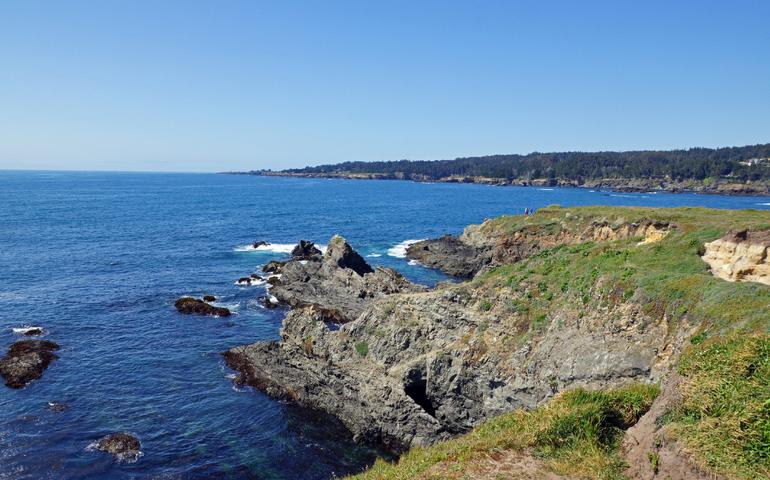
[97, 260]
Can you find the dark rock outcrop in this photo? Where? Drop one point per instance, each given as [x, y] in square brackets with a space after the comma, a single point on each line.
[260, 243]
[209, 298]
[450, 255]
[273, 266]
[338, 280]
[123, 446]
[26, 361]
[190, 305]
[305, 250]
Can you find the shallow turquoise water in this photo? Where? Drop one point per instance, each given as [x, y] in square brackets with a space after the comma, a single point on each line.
[98, 259]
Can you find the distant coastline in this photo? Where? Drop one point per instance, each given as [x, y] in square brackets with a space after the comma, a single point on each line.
[719, 187]
[728, 171]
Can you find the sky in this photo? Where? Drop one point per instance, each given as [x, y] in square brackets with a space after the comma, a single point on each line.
[228, 85]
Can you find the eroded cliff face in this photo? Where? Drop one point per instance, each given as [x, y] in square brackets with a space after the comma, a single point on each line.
[403, 366]
[481, 246]
[740, 256]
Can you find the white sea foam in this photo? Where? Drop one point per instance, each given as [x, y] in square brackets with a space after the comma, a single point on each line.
[233, 307]
[274, 248]
[252, 282]
[10, 296]
[414, 262]
[374, 255]
[546, 189]
[270, 247]
[399, 250]
[766, 204]
[26, 329]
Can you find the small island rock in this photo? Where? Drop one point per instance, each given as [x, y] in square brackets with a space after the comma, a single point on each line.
[26, 360]
[123, 446]
[190, 305]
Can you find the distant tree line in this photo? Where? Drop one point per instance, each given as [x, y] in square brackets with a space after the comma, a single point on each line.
[738, 163]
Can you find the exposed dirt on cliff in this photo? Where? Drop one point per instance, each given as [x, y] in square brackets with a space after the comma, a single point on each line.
[742, 256]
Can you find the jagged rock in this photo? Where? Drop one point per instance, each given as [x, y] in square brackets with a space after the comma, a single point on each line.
[26, 360]
[209, 298]
[273, 266]
[123, 446]
[260, 243]
[305, 250]
[340, 280]
[189, 305]
[254, 276]
[340, 252]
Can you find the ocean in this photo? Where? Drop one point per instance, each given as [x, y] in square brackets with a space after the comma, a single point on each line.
[98, 259]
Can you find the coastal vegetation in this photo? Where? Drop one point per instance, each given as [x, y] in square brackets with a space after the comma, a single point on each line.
[748, 163]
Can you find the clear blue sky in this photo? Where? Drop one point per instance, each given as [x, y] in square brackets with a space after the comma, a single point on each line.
[209, 86]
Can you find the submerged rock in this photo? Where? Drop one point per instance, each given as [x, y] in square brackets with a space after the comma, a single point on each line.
[190, 305]
[125, 447]
[26, 361]
[58, 407]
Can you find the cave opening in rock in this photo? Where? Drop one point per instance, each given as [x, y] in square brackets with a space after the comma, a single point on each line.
[416, 387]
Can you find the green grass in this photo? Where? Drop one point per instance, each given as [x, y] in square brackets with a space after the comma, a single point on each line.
[577, 432]
[362, 348]
[724, 418]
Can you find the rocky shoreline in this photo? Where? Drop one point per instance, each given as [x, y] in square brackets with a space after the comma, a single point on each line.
[640, 185]
[403, 366]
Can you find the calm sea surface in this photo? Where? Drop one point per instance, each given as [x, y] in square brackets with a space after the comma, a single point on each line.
[97, 260]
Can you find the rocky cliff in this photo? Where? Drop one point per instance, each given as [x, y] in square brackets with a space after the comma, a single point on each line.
[595, 297]
[404, 366]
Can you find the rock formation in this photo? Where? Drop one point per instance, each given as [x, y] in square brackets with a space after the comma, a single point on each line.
[190, 305]
[123, 446]
[26, 361]
[338, 280]
[402, 366]
[305, 250]
[740, 256]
